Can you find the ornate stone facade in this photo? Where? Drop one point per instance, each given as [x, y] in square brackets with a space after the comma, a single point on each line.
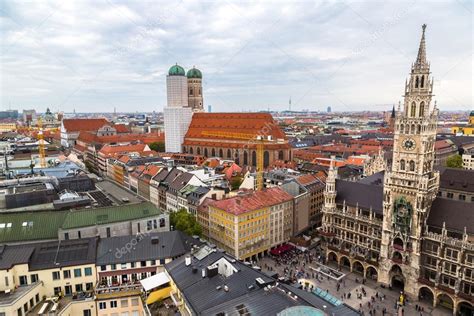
[395, 231]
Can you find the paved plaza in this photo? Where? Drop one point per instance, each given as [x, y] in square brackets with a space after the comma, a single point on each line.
[350, 289]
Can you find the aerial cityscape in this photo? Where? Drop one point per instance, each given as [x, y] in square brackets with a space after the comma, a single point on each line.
[187, 158]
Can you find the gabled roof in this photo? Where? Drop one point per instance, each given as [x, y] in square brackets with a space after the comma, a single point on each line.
[169, 244]
[63, 253]
[457, 215]
[253, 201]
[364, 195]
[456, 179]
[76, 125]
[249, 123]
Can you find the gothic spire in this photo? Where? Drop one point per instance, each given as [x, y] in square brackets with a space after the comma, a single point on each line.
[421, 58]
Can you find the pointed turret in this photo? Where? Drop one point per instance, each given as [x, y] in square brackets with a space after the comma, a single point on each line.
[421, 58]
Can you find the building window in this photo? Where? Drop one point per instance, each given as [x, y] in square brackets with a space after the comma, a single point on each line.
[66, 236]
[102, 305]
[86, 312]
[124, 303]
[451, 254]
[56, 275]
[402, 164]
[87, 271]
[449, 195]
[89, 286]
[412, 165]
[37, 298]
[77, 273]
[113, 304]
[113, 266]
[57, 290]
[23, 280]
[103, 268]
[78, 287]
[462, 197]
[34, 278]
[68, 290]
[108, 232]
[67, 274]
[79, 234]
[134, 301]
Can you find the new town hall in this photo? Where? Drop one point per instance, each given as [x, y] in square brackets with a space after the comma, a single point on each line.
[394, 226]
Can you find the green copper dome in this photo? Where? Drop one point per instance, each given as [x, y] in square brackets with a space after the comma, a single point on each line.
[472, 112]
[194, 73]
[176, 70]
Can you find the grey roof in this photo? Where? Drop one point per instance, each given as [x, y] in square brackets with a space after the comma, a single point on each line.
[204, 298]
[456, 214]
[357, 193]
[180, 181]
[58, 254]
[13, 255]
[170, 245]
[456, 179]
[376, 178]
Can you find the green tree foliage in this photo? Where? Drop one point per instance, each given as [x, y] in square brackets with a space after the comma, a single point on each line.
[235, 182]
[185, 222]
[157, 146]
[454, 161]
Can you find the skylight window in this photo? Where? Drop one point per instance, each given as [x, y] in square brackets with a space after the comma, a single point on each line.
[9, 225]
[3, 225]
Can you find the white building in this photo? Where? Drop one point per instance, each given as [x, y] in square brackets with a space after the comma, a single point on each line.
[177, 114]
[468, 159]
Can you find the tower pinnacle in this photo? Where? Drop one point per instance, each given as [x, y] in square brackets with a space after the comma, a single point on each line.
[421, 58]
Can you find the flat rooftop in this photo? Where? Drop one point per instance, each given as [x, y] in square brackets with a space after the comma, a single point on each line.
[8, 299]
[116, 193]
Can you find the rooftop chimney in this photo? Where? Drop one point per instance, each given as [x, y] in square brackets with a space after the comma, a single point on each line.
[187, 260]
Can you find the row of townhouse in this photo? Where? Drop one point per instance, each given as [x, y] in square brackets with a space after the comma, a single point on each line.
[168, 188]
[90, 276]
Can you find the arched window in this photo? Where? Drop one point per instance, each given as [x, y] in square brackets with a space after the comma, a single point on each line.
[422, 109]
[416, 82]
[221, 153]
[246, 158]
[413, 129]
[199, 91]
[280, 155]
[401, 129]
[198, 151]
[205, 152]
[402, 164]
[413, 109]
[266, 159]
[191, 91]
[419, 129]
[229, 154]
[412, 165]
[422, 83]
[254, 158]
[213, 152]
[191, 151]
[407, 129]
[184, 149]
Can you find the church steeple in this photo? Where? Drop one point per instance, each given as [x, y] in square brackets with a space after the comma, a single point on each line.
[421, 58]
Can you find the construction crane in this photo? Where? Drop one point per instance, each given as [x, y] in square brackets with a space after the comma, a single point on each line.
[41, 144]
[258, 140]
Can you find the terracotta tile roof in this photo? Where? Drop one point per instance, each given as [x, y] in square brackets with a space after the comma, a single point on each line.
[109, 150]
[121, 128]
[248, 123]
[76, 125]
[252, 201]
[88, 137]
[307, 179]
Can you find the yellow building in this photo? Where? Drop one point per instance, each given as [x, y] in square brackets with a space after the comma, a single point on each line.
[33, 274]
[7, 127]
[468, 129]
[250, 224]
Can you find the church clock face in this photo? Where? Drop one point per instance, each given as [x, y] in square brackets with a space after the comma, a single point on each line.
[409, 144]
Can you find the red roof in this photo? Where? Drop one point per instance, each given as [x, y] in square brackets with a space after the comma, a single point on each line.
[248, 123]
[253, 201]
[76, 125]
[109, 150]
[88, 137]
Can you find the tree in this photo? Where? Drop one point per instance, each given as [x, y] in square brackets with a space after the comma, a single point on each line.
[454, 161]
[157, 146]
[185, 222]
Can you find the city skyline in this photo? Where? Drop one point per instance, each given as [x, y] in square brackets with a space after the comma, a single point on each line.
[97, 57]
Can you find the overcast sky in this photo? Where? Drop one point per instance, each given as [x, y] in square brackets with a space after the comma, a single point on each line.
[92, 56]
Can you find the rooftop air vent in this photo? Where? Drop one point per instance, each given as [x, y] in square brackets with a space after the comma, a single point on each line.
[155, 240]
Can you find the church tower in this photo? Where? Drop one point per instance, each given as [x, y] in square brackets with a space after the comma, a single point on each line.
[411, 185]
[195, 99]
